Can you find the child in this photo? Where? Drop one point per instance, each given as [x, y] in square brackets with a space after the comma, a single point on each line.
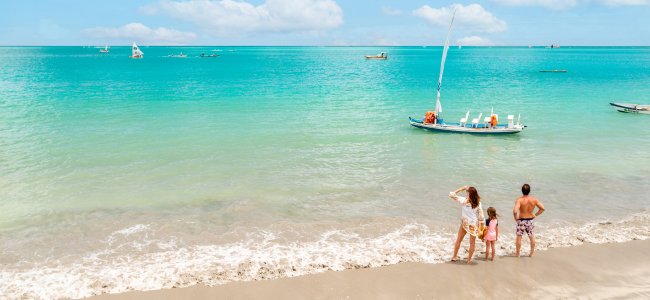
[492, 231]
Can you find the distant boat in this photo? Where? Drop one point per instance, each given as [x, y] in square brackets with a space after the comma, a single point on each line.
[216, 50]
[553, 71]
[460, 47]
[209, 55]
[553, 46]
[105, 50]
[632, 108]
[381, 55]
[433, 121]
[135, 51]
[180, 55]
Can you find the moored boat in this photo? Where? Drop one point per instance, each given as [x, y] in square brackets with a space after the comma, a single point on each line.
[485, 128]
[632, 108]
[381, 55]
[181, 55]
[209, 55]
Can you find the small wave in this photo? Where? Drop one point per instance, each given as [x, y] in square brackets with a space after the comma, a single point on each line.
[264, 254]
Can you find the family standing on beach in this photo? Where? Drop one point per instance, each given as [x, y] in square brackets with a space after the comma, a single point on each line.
[473, 221]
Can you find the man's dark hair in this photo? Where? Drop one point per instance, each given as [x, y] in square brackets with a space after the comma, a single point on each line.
[525, 189]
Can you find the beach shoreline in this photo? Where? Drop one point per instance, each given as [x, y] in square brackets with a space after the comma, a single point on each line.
[596, 271]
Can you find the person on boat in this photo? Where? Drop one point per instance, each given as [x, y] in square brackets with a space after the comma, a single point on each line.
[523, 214]
[472, 219]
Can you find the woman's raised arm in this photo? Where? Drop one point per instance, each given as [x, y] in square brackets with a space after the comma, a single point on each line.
[454, 194]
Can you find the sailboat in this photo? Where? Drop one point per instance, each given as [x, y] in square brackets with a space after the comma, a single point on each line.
[135, 51]
[105, 50]
[433, 119]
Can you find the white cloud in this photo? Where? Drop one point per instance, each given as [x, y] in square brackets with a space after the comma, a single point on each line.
[231, 18]
[552, 4]
[142, 33]
[474, 41]
[389, 11]
[625, 2]
[473, 17]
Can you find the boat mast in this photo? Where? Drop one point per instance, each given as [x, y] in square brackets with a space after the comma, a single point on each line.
[442, 66]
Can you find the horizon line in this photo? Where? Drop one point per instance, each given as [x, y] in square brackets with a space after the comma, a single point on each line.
[158, 45]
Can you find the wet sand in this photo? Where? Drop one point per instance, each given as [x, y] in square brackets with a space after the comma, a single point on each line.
[595, 271]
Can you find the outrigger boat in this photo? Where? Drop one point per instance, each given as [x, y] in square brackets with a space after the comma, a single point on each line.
[135, 51]
[381, 55]
[632, 108]
[490, 125]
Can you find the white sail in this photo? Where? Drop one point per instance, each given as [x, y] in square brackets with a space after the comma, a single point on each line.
[442, 65]
[135, 51]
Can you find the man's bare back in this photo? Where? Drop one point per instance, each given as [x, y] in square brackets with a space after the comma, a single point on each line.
[525, 206]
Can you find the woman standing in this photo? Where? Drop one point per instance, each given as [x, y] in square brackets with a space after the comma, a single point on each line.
[471, 219]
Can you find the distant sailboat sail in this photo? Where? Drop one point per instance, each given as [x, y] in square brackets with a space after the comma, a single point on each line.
[135, 51]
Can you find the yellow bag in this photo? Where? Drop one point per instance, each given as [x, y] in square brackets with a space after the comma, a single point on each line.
[482, 230]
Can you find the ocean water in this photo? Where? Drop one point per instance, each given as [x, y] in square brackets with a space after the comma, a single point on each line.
[266, 162]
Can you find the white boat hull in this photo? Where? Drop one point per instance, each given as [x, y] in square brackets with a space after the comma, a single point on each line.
[455, 128]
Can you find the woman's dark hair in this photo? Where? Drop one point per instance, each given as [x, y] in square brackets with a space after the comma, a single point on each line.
[473, 196]
[525, 189]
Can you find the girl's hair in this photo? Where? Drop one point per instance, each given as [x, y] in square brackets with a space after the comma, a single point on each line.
[474, 198]
[492, 212]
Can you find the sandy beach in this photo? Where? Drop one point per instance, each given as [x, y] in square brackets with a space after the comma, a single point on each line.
[594, 271]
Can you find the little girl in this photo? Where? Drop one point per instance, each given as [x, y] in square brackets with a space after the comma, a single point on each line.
[492, 234]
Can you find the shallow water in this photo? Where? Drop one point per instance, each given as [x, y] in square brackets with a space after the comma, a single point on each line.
[279, 161]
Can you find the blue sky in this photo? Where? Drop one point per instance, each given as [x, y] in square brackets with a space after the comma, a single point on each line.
[324, 22]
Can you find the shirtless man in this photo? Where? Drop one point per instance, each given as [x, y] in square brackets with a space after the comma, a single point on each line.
[523, 213]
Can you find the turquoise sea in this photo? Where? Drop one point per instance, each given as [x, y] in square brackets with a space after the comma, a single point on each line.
[119, 174]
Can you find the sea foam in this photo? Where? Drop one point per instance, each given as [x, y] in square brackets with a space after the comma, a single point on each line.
[264, 254]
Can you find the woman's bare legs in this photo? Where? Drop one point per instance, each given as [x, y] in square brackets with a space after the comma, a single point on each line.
[472, 244]
[459, 239]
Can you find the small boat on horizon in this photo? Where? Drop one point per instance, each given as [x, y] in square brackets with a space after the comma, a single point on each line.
[135, 52]
[180, 55]
[208, 55]
[381, 55]
[631, 108]
[490, 125]
[104, 50]
[553, 46]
